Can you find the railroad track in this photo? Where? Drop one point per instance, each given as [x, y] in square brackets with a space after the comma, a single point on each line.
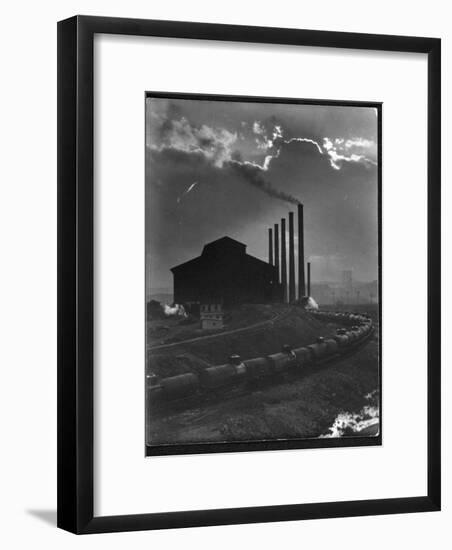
[249, 328]
[219, 380]
[162, 407]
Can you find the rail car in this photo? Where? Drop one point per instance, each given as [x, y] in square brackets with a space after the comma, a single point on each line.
[218, 376]
[303, 356]
[177, 387]
[342, 340]
[258, 368]
[331, 345]
[236, 371]
[283, 361]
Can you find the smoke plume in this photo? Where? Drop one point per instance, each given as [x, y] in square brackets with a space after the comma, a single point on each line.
[253, 176]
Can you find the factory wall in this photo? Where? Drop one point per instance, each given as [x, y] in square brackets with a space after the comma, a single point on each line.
[225, 273]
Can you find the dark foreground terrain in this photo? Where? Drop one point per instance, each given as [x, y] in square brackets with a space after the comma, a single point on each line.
[331, 400]
[252, 331]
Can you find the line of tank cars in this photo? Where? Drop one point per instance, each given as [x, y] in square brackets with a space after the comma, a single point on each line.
[237, 372]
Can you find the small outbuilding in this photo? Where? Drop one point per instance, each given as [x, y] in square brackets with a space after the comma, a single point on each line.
[211, 316]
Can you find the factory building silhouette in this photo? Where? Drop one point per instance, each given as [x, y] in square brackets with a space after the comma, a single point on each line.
[224, 273]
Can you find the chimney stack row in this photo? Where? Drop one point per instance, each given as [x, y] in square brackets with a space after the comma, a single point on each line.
[277, 256]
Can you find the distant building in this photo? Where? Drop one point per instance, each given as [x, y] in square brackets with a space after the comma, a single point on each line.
[211, 316]
[347, 278]
[226, 274]
[334, 293]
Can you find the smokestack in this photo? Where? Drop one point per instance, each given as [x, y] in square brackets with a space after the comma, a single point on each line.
[301, 280]
[283, 260]
[270, 246]
[291, 260]
[309, 278]
[277, 251]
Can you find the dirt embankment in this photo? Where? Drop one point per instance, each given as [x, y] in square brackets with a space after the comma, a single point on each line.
[173, 329]
[289, 325]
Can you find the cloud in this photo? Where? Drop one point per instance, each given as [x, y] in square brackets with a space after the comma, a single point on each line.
[266, 134]
[215, 144]
[304, 140]
[221, 146]
[258, 128]
[253, 154]
[358, 142]
[357, 149]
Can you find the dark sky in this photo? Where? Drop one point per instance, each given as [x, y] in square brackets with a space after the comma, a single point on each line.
[217, 168]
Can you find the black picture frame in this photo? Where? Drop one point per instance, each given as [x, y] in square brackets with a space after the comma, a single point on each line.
[75, 274]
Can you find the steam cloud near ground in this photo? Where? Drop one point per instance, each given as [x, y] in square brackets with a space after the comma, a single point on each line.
[176, 310]
[347, 423]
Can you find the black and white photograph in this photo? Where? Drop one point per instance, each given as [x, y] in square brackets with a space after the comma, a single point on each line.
[262, 271]
[224, 272]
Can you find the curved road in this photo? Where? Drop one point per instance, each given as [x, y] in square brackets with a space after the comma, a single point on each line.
[277, 317]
